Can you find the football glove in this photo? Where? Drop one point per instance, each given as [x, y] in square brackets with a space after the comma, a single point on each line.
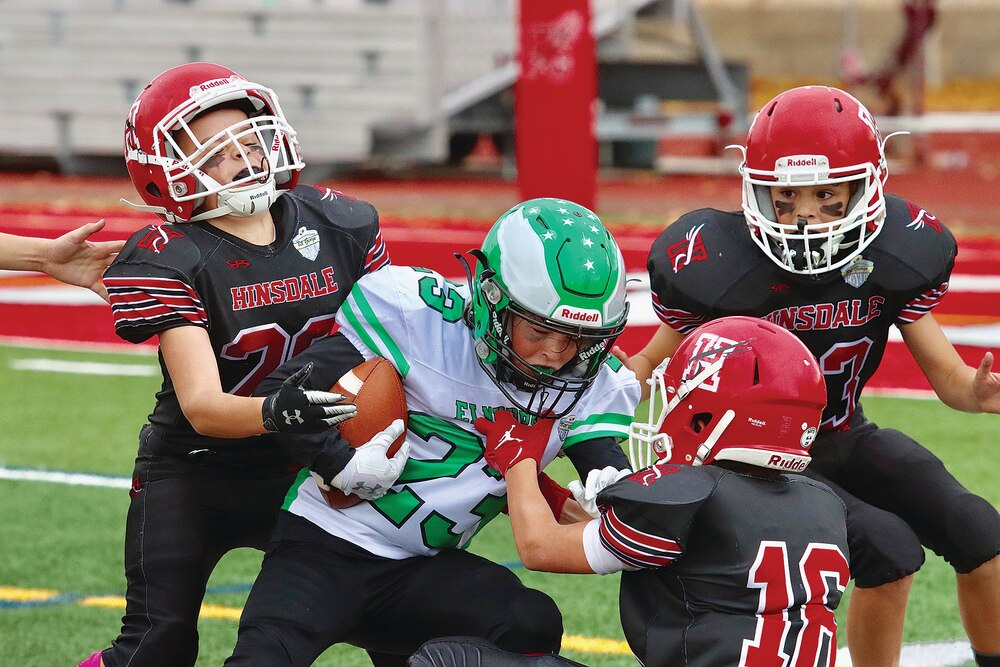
[508, 441]
[370, 473]
[293, 409]
[597, 481]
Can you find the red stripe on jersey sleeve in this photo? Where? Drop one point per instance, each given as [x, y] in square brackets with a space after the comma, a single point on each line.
[152, 304]
[635, 547]
[679, 320]
[378, 255]
[922, 305]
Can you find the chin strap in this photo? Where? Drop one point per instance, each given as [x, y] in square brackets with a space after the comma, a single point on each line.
[159, 210]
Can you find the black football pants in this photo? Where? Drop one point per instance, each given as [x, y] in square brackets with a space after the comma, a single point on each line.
[315, 590]
[182, 519]
[901, 498]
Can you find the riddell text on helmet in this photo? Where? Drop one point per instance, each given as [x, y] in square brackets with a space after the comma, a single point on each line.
[578, 315]
[794, 465]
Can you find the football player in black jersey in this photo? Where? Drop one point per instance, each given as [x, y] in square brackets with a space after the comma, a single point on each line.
[250, 270]
[728, 560]
[71, 258]
[821, 251]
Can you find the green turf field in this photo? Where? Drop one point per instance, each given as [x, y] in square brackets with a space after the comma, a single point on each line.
[61, 580]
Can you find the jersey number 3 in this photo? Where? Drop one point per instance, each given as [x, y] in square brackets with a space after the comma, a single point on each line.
[821, 566]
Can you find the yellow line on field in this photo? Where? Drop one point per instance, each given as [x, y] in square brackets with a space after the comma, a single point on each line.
[116, 602]
[26, 594]
[215, 611]
[595, 645]
[103, 601]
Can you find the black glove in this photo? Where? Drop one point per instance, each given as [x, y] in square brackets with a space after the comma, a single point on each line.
[293, 409]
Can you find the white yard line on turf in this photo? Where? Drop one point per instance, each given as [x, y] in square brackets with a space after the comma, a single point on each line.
[71, 478]
[84, 367]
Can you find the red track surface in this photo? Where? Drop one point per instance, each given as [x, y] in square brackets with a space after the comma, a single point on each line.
[433, 247]
[425, 221]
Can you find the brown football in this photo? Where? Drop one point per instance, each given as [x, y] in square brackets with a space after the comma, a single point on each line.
[377, 389]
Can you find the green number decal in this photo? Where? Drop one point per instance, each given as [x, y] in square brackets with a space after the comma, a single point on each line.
[450, 304]
[464, 449]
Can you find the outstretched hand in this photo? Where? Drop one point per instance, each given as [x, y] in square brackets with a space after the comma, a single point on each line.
[294, 409]
[508, 441]
[986, 385]
[73, 259]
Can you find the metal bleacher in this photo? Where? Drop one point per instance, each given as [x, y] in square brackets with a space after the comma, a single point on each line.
[355, 77]
[69, 70]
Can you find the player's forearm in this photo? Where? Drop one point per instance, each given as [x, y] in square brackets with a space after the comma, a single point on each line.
[221, 415]
[20, 253]
[955, 388]
[542, 544]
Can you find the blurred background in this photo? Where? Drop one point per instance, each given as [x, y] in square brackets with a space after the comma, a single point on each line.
[410, 104]
[389, 84]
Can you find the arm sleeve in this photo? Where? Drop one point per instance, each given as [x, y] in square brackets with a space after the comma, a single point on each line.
[146, 300]
[377, 255]
[596, 454]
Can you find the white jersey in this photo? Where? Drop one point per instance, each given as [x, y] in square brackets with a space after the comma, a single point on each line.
[447, 492]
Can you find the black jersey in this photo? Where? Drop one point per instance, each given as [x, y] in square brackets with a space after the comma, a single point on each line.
[731, 564]
[706, 266]
[260, 304]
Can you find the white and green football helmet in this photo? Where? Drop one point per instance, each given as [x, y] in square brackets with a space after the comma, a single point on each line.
[553, 263]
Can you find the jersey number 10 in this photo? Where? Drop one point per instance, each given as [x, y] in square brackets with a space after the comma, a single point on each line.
[821, 565]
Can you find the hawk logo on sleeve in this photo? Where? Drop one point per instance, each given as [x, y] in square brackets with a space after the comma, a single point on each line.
[157, 238]
[921, 218]
[691, 249]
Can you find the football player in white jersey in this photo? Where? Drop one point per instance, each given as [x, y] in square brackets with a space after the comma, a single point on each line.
[529, 336]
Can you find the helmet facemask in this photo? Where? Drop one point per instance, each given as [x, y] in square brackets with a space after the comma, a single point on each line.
[255, 188]
[173, 181]
[519, 277]
[814, 248]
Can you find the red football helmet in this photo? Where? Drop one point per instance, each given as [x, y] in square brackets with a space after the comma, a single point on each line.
[736, 389]
[170, 181]
[814, 135]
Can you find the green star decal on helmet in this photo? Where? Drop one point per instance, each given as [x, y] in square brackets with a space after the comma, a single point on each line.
[551, 261]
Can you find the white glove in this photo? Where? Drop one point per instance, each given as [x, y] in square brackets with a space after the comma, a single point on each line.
[370, 473]
[597, 481]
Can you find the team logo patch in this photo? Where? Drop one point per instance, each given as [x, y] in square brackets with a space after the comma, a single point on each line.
[157, 238]
[237, 263]
[565, 424]
[691, 249]
[856, 273]
[307, 243]
[647, 476]
[921, 218]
